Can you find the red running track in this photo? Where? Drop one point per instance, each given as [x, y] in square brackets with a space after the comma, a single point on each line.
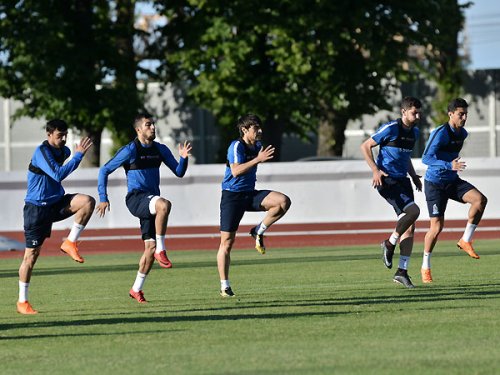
[96, 241]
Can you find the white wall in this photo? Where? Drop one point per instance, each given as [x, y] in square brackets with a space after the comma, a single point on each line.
[327, 191]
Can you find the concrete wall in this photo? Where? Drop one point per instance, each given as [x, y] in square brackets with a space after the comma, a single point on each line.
[328, 191]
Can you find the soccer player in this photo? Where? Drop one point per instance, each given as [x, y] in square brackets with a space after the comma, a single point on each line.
[442, 183]
[239, 194]
[141, 160]
[396, 140]
[46, 202]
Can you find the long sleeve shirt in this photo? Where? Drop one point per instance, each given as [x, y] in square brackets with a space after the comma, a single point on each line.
[444, 146]
[44, 187]
[147, 180]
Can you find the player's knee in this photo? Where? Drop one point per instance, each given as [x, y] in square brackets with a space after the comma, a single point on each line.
[285, 203]
[226, 245]
[413, 212]
[91, 202]
[484, 201]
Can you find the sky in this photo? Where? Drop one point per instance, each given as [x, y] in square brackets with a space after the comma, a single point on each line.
[482, 33]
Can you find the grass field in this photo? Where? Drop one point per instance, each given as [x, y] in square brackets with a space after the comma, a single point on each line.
[307, 311]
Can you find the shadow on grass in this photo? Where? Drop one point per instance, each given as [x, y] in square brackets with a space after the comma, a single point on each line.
[60, 335]
[259, 260]
[156, 319]
[158, 315]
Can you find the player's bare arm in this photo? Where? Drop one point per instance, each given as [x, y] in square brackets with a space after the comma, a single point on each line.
[414, 176]
[366, 150]
[264, 155]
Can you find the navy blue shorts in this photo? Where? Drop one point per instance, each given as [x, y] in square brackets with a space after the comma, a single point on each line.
[38, 220]
[437, 195]
[398, 192]
[234, 204]
[137, 202]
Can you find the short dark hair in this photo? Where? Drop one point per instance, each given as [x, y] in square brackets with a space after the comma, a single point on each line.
[409, 102]
[457, 103]
[56, 124]
[247, 121]
[139, 117]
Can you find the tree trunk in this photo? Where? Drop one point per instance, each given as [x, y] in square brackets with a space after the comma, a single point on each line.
[273, 134]
[92, 156]
[331, 137]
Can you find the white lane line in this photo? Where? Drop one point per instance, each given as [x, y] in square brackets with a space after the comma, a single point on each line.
[289, 233]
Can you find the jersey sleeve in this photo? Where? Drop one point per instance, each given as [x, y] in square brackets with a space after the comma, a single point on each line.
[437, 139]
[123, 155]
[178, 168]
[236, 153]
[44, 160]
[383, 134]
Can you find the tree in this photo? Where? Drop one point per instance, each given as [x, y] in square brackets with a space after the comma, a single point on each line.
[298, 63]
[73, 60]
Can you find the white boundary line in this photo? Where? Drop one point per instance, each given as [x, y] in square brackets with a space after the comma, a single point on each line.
[278, 234]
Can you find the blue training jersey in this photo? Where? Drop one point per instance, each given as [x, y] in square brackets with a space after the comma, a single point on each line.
[46, 174]
[148, 179]
[444, 146]
[396, 145]
[240, 152]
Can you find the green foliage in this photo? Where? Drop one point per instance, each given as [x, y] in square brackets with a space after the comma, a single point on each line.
[297, 311]
[301, 63]
[71, 60]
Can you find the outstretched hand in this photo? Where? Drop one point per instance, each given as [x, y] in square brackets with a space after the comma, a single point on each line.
[102, 207]
[84, 145]
[377, 178]
[265, 154]
[458, 165]
[185, 149]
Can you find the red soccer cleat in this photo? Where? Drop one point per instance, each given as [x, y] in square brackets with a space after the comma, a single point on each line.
[467, 247]
[138, 296]
[25, 308]
[163, 260]
[71, 249]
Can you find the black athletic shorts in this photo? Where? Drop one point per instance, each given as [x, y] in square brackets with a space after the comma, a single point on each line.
[137, 202]
[398, 192]
[437, 195]
[38, 220]
[234, 204]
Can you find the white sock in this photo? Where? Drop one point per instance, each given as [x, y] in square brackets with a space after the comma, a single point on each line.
[160, 243]
[23, 291]
[75, 232]
[224, 284]
[469, 232]
[139, 282]
[261, 229]
[393, 239]
[426, 262]
[403, 262]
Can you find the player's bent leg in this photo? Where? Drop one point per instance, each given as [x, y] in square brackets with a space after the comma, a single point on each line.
[276, 204]
[82, 206]
[162, 208]
[408, 218]
[477, 203]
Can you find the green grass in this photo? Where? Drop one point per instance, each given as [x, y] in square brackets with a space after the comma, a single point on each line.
[308, 311]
